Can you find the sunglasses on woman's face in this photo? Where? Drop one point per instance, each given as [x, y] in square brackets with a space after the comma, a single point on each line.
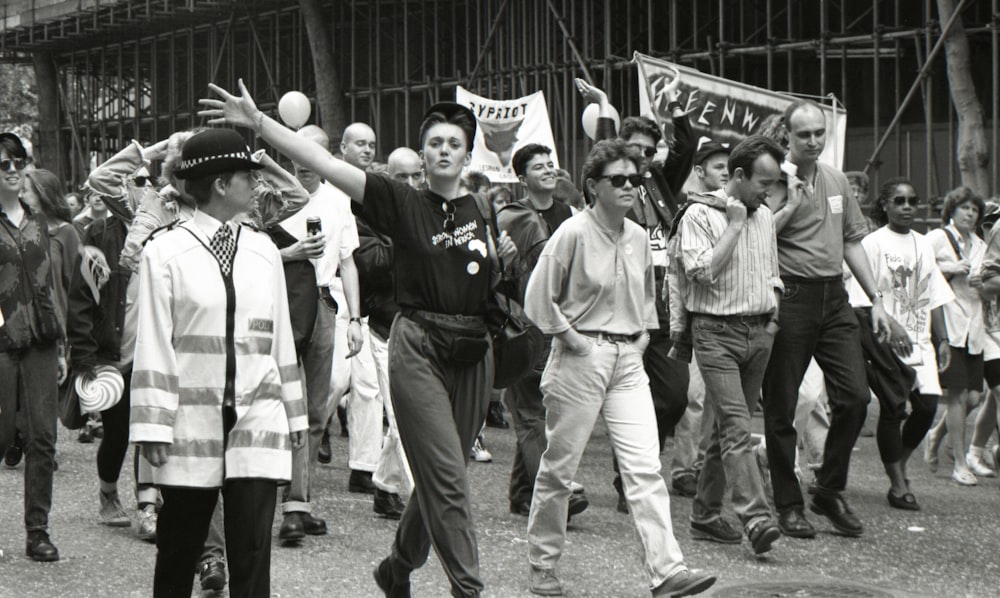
[618, 180]
[449, 216]
[17, 163]
[646, 150]
[912, 201]
[140, 181]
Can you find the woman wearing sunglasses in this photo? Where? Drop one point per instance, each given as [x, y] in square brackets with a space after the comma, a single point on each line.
[594, 289]
[30, 331]
[914, 292]
[956, 248]
[440, 361]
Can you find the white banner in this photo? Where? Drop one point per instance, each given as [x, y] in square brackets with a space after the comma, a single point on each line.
[504, 126]
[727, 111]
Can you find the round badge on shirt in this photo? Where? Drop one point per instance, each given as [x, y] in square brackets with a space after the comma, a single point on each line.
[472, 268]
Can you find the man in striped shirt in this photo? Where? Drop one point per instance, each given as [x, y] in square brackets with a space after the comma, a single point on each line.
[728, 252]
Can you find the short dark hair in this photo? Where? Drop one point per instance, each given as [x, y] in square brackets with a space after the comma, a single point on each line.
[473, 179]
[958, 196]
[747, 151]
[605, 152]
[640, 124]
[859, 178]
[51, 193]
[525, 154]
[14, 146]
[201, 188]
[886, 191]
[794, 107]
[463, 119]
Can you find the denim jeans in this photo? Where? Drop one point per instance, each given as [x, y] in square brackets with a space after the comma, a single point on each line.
[610, 382]
[392, 473]
[732, 354]
[29, 384]
[816, 321]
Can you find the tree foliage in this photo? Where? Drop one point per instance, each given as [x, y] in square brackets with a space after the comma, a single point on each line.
[18, 98]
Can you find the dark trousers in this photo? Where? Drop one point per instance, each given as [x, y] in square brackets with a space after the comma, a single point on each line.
[668, 381]
[182, 526]
[440, 408]
[527, 412]
[28, 384]
[114, 446]
[816, 321]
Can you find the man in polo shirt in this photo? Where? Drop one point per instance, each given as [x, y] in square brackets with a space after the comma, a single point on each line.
[819, 226]
[727, 251]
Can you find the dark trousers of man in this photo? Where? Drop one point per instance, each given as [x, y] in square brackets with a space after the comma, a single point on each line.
[28, 379]
[182, 526]
[816, 321]
[440, 407]
[114, 446]
[524, 398]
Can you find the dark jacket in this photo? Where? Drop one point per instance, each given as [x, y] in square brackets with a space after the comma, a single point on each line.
[94, 328]
[373, 258]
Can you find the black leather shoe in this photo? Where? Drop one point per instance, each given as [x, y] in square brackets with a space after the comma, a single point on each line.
[40, 548]
[212, 575]
[314, 526]
[793, 523]
[763, 535]
[292, 529]
[495, 418]
[15, 452]
[388, 504]
[387, 583]
[578, 503]
[686, 485]
[361, 482]
[835, 508]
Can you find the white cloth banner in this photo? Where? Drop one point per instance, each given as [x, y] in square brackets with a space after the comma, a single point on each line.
[727, 111]
[504, 126]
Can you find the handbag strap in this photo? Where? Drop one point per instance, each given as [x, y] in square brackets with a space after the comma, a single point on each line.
[954, 243]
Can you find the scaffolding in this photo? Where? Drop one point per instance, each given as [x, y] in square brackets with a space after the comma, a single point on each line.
[136, 68]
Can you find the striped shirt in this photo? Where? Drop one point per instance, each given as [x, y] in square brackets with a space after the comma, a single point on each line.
[746, 284]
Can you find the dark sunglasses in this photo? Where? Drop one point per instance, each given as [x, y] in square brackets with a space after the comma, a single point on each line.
[141, 181]
[646, 150]
[17, 163]
[899, 200]
[618, 180]
[449, 216]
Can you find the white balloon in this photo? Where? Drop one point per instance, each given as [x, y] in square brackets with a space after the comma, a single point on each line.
[589, 119]
[294, 109]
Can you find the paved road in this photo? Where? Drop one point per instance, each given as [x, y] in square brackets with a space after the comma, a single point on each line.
[954, 554]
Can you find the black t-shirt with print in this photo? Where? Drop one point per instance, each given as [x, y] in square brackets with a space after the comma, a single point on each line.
[434, 270]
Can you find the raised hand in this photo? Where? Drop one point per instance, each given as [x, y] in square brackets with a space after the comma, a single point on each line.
[590, 93]
[233, 110]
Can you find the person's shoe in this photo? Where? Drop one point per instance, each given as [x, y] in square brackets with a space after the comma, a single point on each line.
[98, 430]
[684, 583]
[907, 502]
[520, 508]
[543, 582]
[212, 575]
[292, 530]
[325, 451]
[145, 523]
[716, 530]
[342, 416]
[15, 452]
[494, 416]
[835, 508]
[578, 503]
[313, 526]
[978, 465]
[112, 513]
[86, 435]
[964, 477]
[361, 482]
[388, 584]
[763, 535]
[793, 523]
[40, 548]
[685, 484]
[479, 452]
[387, 504]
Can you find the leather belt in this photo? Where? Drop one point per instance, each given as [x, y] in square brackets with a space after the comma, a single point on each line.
[611, 338]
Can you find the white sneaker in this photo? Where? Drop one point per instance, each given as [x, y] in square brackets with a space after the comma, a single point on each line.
[145, 523]
[978, 465]
[112, 513]
[479, 452]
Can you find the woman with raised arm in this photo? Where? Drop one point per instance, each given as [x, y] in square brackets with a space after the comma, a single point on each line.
[440, 358]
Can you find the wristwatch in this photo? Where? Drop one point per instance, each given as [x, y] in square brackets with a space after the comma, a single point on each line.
[358, 320]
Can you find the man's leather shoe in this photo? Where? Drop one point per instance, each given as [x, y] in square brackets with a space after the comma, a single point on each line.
[685, 484]
[388, 584]
[793, 523]
[388, 504]
[763, 535]
[578, 503]
[213, 575]
[292, 529]
[544, 582]
[361, 482]
[835, 508]
[40, 548]
[494, 416]
[684, 583]
[314, 526]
